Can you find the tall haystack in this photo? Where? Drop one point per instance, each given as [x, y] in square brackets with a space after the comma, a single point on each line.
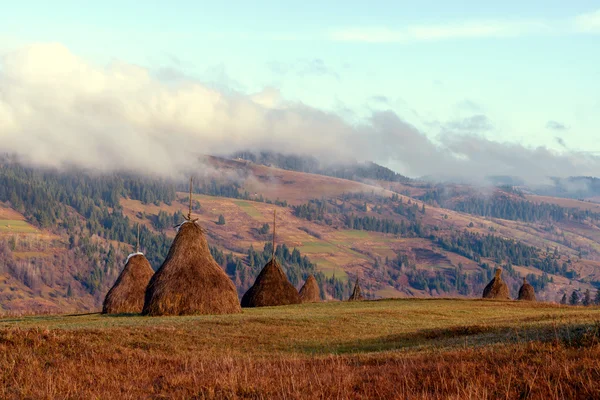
[497, 288]
[527, 292]
[190, 281]
[356, 293]
[310, 292]
[271, 287]
[127, 294]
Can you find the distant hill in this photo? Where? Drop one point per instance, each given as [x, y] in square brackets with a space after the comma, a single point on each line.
[350, 170]
[64, 235]
[577, 187]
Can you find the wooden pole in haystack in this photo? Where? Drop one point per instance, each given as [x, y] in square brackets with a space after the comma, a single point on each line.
[271, 287]
[189, 216]
[137, 243]
[190, 281]
[274, 215]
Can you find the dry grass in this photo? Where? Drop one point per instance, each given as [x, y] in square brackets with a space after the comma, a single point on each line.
[318, 248]
[390, 292]
[565, 202]
[298, 187]
[9, 213]
[249, 209]
[329, 268]
[384, 349]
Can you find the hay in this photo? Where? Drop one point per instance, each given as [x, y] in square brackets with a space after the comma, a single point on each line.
[527, 292]
[310, 292]
[127, 294]
[356, 293]
[271, 288]
[189, 280]
[497, 288]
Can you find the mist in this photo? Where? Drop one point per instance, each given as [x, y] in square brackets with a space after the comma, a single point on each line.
[57, 110]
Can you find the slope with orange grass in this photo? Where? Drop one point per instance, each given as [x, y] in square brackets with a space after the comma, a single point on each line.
[565, 202]
[429, 349]
[338, 251]
[343, 252]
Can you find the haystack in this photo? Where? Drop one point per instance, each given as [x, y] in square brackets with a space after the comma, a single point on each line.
[271, 287]
[497, 288]
[127, 294]
[310, 292]
[356, 293]
[190, 281]
[527, 292]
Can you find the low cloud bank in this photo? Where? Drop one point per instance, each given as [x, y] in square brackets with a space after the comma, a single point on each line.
[58, 110]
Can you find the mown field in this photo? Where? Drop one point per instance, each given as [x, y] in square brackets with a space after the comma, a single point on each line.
[408, 348]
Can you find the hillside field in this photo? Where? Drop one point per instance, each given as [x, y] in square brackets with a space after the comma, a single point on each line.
[63, 253]
[341, 252]
[417, 348]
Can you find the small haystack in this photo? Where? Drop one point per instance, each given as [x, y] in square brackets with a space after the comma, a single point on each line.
[271, 287]
[189, 280]
[527, 292]
[356, 293]
[310, 292]
[127, 294]
[497, 288]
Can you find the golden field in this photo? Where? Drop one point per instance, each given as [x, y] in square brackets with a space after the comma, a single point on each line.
[435, 348]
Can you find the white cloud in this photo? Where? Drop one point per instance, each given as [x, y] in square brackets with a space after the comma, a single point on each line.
[58, 110]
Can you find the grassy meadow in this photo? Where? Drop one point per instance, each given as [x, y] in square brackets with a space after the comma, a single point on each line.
[438, 348]
[16, 226]
[249, 209]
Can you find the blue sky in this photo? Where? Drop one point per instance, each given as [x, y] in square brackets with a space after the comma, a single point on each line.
[510, 71]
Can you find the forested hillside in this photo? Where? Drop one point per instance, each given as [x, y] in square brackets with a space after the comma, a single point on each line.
[506, 203]
[64, 235]
[92, 236]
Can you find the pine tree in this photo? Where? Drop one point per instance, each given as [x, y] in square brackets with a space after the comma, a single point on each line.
[574, 300]
[587, 298]
[264, 229]
[564, 299]
[221, 220]
[597, 298]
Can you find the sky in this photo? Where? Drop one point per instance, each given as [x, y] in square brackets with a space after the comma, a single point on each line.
[427, 88]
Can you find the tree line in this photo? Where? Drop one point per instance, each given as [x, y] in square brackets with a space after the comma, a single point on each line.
[512, 207]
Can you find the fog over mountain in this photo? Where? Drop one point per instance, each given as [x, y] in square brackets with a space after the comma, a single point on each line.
[57, 109]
